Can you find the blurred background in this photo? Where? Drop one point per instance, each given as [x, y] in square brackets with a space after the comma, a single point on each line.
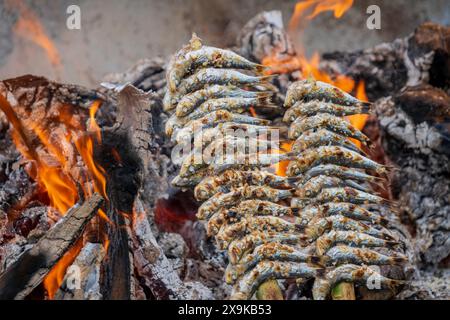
[115, 33]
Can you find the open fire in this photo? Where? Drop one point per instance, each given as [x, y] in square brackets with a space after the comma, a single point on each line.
[53, 154]
[71, 157]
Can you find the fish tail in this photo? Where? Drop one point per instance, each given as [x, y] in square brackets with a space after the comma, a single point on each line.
[267, 77]
[366, 107]
[318, 260]
[266, 101]
[399, 260]
[392, 243]
[260, 68]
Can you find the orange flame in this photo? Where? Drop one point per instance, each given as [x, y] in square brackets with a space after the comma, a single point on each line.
[55, 277]
[85, 147]
[29, 27]
[280, 167]
[93, 126]
[339, 7]
[305, 11]
[52, 171]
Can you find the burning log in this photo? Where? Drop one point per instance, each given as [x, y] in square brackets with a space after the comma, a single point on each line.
[264, 39]
[265, 36]
[29, 270]
[135, 125]
[422, 57]
[408, 77]
[87, 286]
[417, 142]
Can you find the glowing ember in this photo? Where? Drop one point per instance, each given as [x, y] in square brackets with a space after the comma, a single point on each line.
[359, 120]
[172, 214]
[93, 126]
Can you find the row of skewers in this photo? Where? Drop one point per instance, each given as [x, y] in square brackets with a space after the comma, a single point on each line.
[312, 223]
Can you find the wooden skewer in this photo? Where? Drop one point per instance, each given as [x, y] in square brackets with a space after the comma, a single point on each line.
[343, 291]
[269, 290]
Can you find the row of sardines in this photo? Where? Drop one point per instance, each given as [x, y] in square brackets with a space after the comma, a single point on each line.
[312, 227]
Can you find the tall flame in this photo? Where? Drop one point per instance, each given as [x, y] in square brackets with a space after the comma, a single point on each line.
[53, 170]
[339, 7]
[96, 173]
[30, 28]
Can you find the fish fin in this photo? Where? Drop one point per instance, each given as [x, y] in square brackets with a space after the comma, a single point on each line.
[195, 43]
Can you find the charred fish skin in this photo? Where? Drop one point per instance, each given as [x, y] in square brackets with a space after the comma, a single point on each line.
[311, 224]
[207, 57]
[314, 107]
[213, 119]
[204, 77]
[233, 104]
[306, 90]
[211, 185]
[350, 273]
[193, 100]
[264, 270]
[314, 138]
[329, 195]
[329, 122]
[332, 155]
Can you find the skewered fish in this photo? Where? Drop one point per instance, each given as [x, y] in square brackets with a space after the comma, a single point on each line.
[311, 224]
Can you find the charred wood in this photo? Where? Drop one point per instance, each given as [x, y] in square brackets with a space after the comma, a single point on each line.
[27, 272]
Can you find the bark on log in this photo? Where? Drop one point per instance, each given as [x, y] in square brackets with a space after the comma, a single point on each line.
[133, 136]
[418, 143]
[136, 126]
[265, 36]
[146, 74]
[155, 269]
[422, 57]
[84, 285]
[31, 267]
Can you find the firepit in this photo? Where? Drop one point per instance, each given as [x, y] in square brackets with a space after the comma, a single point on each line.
[88, 207]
